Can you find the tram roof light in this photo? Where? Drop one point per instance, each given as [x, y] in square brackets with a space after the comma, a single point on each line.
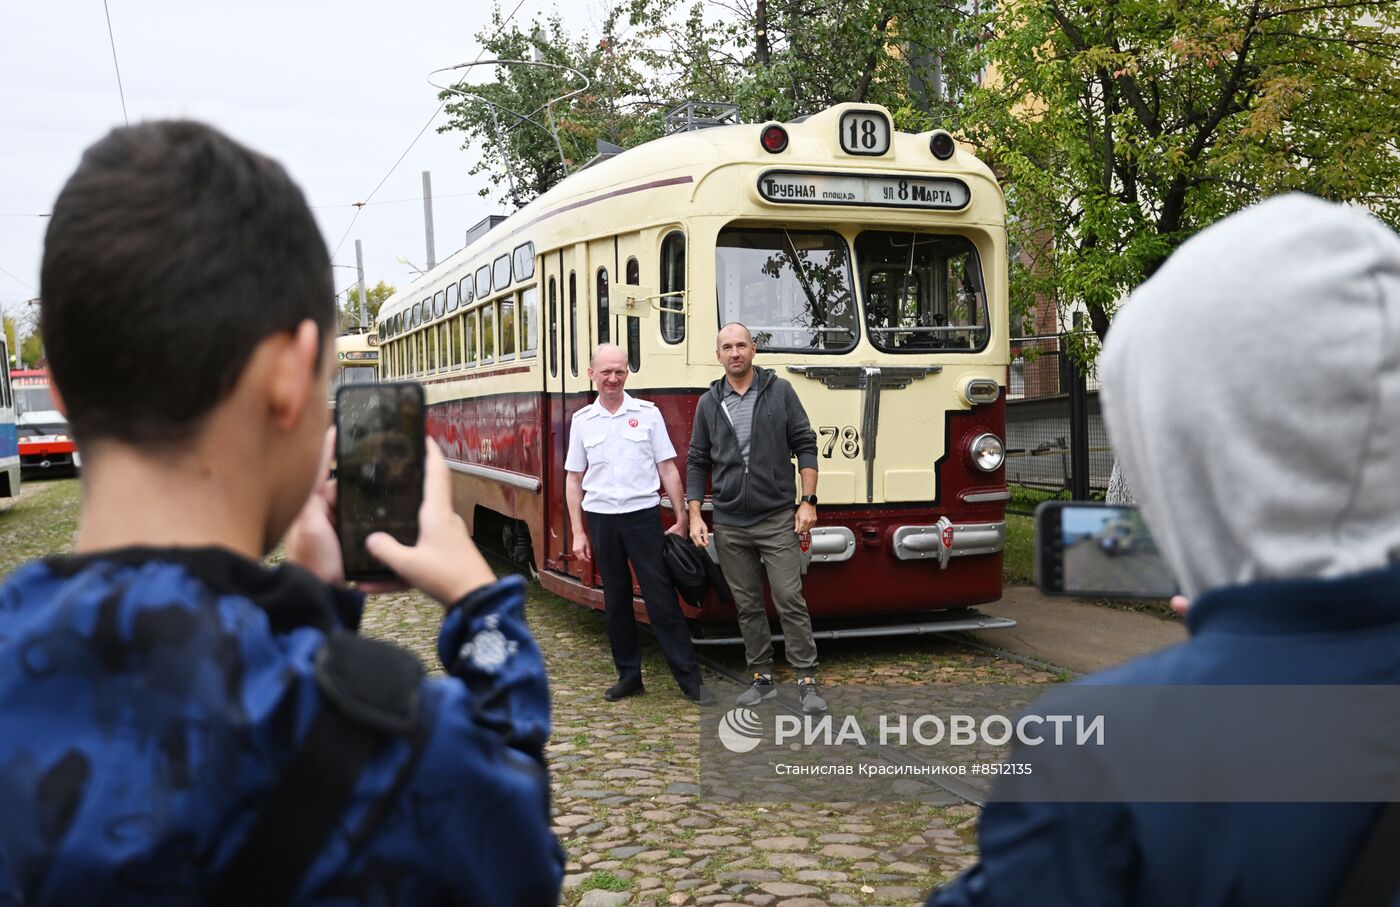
[941, 144]
[774, 139]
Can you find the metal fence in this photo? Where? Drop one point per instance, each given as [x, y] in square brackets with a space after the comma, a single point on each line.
[1055, 439]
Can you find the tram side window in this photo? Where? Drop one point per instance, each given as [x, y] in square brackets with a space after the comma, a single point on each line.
[573, 324]
[439, 303]
[444, 344]
[454, 338]
[604, 323]
[922, 292]
[412, 355]
[506, 318]
[452, 297]
[483, 281]
[529, 321]
[488, 333]
[430, 339]
[553, 329]
[469, 335]
[791, 287]
[466, 289]
[673, 281]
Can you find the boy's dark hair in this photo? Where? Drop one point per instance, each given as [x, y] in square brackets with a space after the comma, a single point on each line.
[173, 251]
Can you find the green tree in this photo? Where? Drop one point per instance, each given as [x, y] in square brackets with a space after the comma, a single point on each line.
[374, 298]
[511, 127]
[11, 335]
[31, 350]
[1122, 128]
[777, 60]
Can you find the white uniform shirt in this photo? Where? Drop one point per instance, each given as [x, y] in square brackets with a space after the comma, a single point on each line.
[617, 454]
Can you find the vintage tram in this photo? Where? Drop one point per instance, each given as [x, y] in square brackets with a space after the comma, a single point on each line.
[870, 266]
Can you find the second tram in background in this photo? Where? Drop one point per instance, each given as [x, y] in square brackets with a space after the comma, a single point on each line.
[46, 445]
[870, 266]
[9, 436]
[356, 359]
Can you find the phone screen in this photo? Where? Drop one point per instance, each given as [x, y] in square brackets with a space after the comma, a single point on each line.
[1098, 550]
[379, 451]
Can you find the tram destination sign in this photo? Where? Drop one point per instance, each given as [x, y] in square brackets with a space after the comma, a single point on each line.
[794, 187]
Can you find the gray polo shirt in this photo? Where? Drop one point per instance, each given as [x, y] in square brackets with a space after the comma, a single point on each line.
[739, 408]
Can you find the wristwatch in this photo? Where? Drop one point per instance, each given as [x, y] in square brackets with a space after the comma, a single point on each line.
[809, 499]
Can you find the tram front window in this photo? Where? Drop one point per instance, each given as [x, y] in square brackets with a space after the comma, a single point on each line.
[358, 374]
[922, 292]
[792, 288]
[33, 400]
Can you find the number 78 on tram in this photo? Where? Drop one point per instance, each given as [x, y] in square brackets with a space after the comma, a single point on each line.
[870, 267]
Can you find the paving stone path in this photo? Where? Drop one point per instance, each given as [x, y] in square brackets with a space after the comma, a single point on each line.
[629, 810]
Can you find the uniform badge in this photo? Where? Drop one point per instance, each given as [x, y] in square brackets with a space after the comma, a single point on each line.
[633, 423]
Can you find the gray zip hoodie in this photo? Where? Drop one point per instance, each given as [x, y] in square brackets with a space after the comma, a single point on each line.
[1252, 394]
[745, 493]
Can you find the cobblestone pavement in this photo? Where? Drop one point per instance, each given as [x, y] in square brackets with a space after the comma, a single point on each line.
[627, 803]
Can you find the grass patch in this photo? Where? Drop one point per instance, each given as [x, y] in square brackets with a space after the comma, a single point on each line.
[604, 880]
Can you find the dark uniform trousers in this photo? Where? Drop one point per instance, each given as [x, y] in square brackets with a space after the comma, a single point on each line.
[637, 537]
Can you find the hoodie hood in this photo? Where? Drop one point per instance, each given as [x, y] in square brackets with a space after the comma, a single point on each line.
[1251, 390]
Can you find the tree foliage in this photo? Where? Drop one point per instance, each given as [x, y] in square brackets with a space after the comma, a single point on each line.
[776, 59]
[374, 298]
[11, 335]
[510, 128]
[1122, 128]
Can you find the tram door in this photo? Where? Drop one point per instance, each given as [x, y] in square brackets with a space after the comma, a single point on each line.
[569, 392]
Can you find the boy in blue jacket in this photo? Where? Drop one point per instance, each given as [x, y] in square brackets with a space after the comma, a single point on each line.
[178, 723]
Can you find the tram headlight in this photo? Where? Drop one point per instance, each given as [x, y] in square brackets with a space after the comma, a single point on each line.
[986, 452]
[942, 145]
[774, 139]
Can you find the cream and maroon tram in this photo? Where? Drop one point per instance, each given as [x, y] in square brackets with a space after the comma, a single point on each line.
[870, 266]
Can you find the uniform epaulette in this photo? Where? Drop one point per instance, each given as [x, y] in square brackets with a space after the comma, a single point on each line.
[646, 403]
[583, 411]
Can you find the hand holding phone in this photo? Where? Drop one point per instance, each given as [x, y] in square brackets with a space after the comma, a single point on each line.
[445, 562]
[380, 456]
[1098, 551]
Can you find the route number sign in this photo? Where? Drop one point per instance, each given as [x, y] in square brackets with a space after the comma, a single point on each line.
[864, 132]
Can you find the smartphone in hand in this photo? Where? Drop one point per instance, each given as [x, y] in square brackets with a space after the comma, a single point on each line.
[379, 451]
[1098, 551]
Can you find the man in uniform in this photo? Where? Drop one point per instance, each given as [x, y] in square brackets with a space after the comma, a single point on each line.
[748, 428]
[618, 454]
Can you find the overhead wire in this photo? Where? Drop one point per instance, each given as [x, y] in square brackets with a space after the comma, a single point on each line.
[111, 39]
[360, 206]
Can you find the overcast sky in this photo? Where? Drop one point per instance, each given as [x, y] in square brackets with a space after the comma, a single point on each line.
[334, 90]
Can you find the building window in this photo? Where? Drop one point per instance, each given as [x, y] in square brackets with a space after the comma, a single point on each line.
[604, 324]
[673, 282]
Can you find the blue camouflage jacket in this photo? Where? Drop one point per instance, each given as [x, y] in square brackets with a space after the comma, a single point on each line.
[150, 699]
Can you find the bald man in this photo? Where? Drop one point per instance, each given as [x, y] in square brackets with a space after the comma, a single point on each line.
[619, 453]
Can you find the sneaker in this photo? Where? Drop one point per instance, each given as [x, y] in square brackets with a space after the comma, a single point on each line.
[700, 695]
[812, 700]
[622, 690]
[762, 688]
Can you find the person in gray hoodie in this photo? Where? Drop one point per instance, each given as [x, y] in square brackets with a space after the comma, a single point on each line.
[748, 428]
[1252, 394]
